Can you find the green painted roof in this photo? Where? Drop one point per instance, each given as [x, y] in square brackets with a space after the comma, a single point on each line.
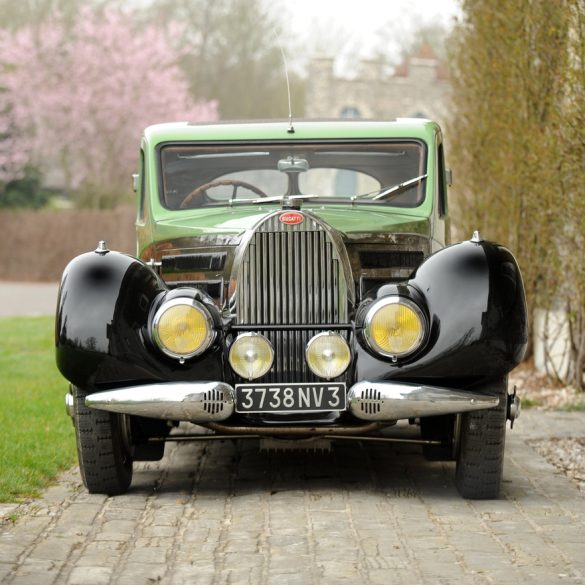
[303, 130]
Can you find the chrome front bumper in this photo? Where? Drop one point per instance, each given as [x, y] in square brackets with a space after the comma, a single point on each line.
[189, 401]
[395, 401]
[203, 402]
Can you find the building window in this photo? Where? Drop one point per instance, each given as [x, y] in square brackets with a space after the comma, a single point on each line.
[350, 112]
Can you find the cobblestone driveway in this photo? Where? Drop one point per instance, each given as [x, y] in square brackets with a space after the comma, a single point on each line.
[220, 513]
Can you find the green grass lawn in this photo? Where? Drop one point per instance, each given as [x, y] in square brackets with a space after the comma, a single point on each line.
[36, 436]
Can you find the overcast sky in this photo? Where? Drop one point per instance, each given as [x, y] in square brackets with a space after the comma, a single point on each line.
[351, 29]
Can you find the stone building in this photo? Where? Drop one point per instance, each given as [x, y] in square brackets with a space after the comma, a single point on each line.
[419, 87]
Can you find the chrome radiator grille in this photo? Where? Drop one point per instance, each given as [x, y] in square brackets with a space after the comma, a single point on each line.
[291, 275]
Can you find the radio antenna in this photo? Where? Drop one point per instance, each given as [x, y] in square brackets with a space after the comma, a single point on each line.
[290, 129]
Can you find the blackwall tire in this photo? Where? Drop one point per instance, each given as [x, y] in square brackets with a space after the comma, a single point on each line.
[103, 448]
[480, 461]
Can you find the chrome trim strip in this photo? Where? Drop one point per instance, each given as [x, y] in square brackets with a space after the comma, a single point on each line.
[379, 401]
[188, 401]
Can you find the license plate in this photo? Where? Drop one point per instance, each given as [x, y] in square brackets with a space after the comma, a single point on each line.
[318, 397]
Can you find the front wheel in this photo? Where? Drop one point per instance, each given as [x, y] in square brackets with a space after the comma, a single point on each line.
[103, 447]
[480, 461]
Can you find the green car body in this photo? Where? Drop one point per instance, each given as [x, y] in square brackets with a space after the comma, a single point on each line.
[156, 224]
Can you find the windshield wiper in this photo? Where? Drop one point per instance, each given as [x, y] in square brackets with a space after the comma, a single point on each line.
[389, 192]
[290, 198]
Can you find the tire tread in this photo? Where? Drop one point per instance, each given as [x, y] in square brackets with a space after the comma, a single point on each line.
[480, 461]
[105, 465]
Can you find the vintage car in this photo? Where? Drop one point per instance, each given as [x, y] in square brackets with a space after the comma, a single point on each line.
[295, 284]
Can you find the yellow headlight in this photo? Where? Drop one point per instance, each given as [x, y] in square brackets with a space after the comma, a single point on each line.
[328, 355]
[394, 327]
[251, 355]
[183, 328]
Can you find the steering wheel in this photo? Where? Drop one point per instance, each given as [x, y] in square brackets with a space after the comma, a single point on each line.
[198, 191]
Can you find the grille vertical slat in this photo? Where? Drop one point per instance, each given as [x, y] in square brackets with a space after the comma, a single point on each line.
[291, 275]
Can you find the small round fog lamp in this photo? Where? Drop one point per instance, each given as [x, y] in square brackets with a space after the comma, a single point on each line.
[328, 355]
[251, 355]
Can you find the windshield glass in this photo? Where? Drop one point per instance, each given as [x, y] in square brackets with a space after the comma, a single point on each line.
[215, 175]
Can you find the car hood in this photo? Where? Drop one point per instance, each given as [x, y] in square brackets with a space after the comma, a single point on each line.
[351, 221]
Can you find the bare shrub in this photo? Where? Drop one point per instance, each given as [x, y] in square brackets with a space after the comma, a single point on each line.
[37, 245]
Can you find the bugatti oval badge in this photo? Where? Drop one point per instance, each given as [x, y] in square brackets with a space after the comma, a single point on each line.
[291, 217]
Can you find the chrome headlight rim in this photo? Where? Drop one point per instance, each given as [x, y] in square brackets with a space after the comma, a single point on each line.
[190, 302]
[255, 335]
[314, 339]
[392, 300]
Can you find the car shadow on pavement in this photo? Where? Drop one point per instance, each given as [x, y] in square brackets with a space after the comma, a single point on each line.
[239, 467]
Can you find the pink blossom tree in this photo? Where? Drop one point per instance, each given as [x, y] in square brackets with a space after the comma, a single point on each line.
[74, 98]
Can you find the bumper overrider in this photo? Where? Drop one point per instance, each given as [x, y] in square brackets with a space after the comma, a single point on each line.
[205, 402]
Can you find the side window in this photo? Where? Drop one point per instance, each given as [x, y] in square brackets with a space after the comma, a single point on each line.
[442, 181]
[141, 188]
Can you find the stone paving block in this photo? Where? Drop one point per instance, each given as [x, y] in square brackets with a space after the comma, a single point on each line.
[290, 537]
[187, 575]
[156, 531]
[241, 545]
[297, 578]
[5, 570]
[116, 530]
[187, 553]
[377, 562]
[194, 535]
[54, 548]
[204, 565]
[239, 560]
[10, 552]
[238, 576]
[85, 497]
[34, 572]
[32, 579]
[420, 542]
[98, 575]
[339, 569]
[281, 563]
[441, 570]
[25, 530]
[167, 515]
[149, 555]
[484, 561]
[100, 553]
[475, 543]
[121, 514]
[327, 552]
[435, 556]
[281, 522]
[139, 573]
[392, 577]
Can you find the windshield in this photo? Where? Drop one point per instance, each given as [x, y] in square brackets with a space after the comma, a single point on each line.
[215, 175]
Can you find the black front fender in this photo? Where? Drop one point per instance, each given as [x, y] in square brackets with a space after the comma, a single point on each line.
[101, 326]
[474, 297]
[104, 300]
